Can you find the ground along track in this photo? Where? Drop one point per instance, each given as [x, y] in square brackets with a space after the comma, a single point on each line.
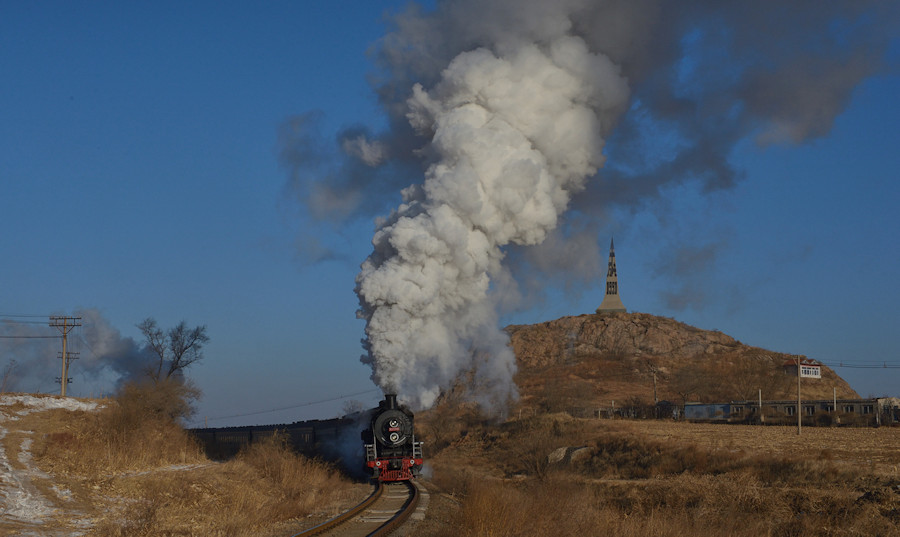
[381, 513]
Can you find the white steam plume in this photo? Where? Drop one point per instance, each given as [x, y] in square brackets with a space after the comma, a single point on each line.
[513, 134]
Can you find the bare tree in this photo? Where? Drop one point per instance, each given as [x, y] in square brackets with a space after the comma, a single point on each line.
[7, 376]
[352, 406]
[688, 380]
[655, 372]
[174, 349]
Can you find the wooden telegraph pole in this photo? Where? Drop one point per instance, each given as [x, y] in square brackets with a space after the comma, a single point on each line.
[65, 325]
[799, 414]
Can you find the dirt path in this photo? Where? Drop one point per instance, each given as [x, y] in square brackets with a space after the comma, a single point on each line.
[31, 503]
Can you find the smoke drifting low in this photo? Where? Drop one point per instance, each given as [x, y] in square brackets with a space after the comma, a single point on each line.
[104, 356]
[499, 112]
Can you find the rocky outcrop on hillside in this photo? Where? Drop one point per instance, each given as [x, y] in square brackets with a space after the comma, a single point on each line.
[633, 334]
[628, 356]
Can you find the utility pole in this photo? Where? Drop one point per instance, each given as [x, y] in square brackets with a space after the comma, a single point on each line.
[799, 414]
[653, 370]
[68, 360]
[65, 325]
[762, 418]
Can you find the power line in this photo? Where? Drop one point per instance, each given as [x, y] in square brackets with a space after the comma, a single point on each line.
[311, 403]
[12, 319]
[881, 365]
[85, 343]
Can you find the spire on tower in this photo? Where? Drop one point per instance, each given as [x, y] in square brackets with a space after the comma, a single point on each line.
[611, 301]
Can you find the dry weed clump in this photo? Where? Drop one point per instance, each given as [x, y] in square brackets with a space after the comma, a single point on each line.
[494, 508]
[220, 500]
[523, 446]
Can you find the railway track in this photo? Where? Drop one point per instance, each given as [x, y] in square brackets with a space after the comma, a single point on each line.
[389, 506]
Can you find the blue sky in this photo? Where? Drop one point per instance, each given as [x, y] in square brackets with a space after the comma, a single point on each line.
[140, 174]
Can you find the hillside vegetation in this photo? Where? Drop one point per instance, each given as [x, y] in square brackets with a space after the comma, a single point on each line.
[594, 360]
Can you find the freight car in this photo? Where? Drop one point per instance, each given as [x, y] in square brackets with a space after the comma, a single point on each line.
[392, 452]
[314, 438]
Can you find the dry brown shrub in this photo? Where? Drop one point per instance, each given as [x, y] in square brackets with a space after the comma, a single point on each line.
[495, 508]
[114, 439]
[526, 444]
[454, 480]
[302, 483]
[631, 458]
[450, 420]
[136, 430]
[147, 399]
[223, 500]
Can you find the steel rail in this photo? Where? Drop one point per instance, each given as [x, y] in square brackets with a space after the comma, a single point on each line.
[345, 516]
[408, 509]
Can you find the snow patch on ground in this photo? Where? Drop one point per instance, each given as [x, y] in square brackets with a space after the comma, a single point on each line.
[21, 500]
[33, 403]
[23, 505]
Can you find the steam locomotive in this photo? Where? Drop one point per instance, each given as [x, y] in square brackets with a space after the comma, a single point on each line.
[392, 453]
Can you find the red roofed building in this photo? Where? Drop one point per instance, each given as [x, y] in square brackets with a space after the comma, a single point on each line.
[809, 368]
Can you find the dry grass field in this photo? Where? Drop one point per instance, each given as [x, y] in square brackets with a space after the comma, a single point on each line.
[557, 475]
[876, 450]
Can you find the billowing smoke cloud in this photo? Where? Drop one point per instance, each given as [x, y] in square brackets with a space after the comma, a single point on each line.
[498, 112]
[104, 357]
[512, 137]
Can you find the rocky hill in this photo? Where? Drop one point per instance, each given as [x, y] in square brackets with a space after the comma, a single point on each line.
[593, 360]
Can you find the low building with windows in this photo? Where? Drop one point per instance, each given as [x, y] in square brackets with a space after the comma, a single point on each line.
[874, 411]
[809, 368]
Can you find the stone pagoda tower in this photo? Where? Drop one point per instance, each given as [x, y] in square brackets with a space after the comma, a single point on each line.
[611, 301]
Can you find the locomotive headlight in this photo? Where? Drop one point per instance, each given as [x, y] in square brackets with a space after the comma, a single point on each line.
[394, 437]
[394, 423]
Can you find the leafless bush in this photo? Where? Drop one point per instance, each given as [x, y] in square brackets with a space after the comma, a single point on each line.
[166, 399]
[528, 443]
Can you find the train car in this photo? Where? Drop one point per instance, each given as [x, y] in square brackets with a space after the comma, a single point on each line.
[392, 453]
[304, 437]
